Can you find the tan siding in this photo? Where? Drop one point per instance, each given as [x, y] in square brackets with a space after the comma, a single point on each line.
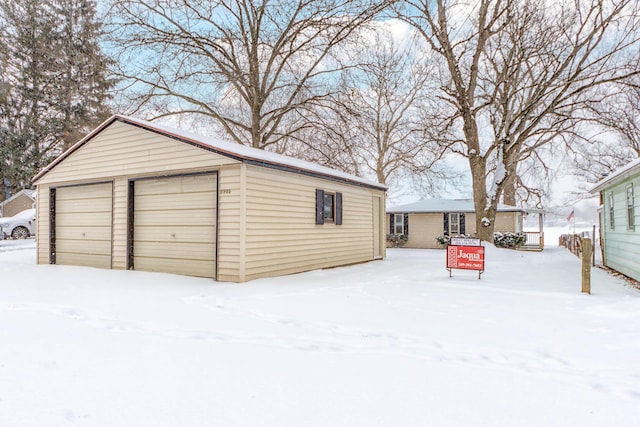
[377, 205]
[125, 150]
[505, 222]
[423, 230]
[470, 224]
[229, 224]
[120, 194]
[281, 234]
[42, 232]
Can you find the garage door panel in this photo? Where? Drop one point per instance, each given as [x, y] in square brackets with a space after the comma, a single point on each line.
[83, 225]
[176, 185]
[102, 204]
[175, 225]
[178, 202]
[192, 218]
[204, 234]
[88, 219]
[83, 259]
[84, 192]
[177, 266]
[175, 250]
[85, 246]
[83, 233]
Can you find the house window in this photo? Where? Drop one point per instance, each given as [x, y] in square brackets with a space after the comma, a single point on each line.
[454, 224]
[329, 207]
[630, 214]
[398, 224]
[612, 223]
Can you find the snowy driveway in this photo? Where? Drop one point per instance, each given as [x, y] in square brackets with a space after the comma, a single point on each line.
[389, 343]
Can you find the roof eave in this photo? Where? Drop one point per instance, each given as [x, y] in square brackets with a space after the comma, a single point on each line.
[457, 211]
[615, 179]
[191, 141]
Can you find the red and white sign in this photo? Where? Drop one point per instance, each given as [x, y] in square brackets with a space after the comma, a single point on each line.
[465, 257]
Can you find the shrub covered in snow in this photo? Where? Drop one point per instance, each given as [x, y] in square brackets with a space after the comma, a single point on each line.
[501, 240]
[396, 240]
[509, 240]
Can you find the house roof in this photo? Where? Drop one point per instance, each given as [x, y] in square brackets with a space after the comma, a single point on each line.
[225, 148]
[618, 175]
[445, 205]
[29, 193]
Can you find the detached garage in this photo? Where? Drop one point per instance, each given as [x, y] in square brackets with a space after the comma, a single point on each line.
[140, 196]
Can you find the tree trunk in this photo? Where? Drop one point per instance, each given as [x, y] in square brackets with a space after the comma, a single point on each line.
[484, 216]
[511, 153]
[509, 191]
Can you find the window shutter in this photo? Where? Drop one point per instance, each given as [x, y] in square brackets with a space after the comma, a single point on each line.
[446, 224]
[406, 224]
[391, 224]
[462, 230]
[319, 207]
[338, 208]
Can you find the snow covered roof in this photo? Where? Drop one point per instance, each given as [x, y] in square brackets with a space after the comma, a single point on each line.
[29, 193]
[445, 205]
[617, 176]
[226, 148]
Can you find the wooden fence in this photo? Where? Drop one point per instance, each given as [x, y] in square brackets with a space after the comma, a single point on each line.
[573, 242]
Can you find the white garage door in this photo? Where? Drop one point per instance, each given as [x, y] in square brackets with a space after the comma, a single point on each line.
[174, 225]
[83, 225]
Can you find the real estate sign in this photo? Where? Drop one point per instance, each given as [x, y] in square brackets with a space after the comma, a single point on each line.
[465, 241]
[465, 258]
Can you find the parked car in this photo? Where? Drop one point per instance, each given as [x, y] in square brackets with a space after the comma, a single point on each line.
[19, 226]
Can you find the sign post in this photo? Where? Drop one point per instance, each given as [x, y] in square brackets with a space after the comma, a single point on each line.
[466, 256]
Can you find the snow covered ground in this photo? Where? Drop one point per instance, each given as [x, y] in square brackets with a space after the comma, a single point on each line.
[388, 343]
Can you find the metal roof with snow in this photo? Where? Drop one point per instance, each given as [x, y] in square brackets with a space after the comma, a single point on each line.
[225, 148]
[617, 176]
[445, 205]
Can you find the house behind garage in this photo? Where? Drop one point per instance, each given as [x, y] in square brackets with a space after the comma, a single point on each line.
[136, 195]
[22, 200]
[422, 222]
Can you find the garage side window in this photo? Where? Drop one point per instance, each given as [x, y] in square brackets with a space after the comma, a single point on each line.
[328, 207]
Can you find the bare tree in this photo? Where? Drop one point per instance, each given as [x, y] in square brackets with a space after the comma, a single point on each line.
[376, 124]
[518, 76]
[617, 141]
[249, 65]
